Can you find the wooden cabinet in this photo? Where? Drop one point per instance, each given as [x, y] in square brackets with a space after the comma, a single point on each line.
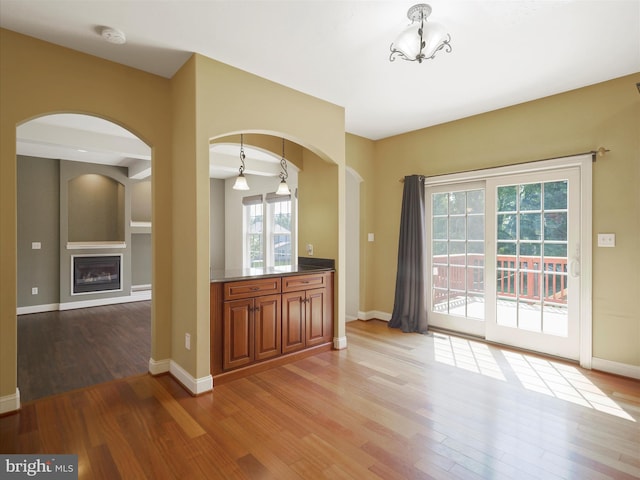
[251, 321]
[307, 314]
[267, 321]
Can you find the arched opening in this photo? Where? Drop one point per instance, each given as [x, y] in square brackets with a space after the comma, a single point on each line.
[84, 253]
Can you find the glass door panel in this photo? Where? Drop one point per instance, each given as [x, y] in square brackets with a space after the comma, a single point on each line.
[456, 231]
[536, 229]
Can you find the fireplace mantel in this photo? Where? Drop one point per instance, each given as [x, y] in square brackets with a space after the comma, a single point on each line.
[94, 245]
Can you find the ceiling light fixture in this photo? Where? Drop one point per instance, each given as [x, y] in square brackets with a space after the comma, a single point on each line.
[113, 35]
[241, 181]
[283, 188]
[420, 41]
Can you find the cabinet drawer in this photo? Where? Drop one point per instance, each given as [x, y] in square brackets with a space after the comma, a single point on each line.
[251, 288]
[304, 282]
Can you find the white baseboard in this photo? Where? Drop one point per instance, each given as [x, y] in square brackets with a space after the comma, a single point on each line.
[138, 296]
[156, 367]
[194, 385]
[375, 314]
[623, 369]
[10, 403]
[339, 343]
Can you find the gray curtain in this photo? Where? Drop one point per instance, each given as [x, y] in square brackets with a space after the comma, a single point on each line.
[410, 304]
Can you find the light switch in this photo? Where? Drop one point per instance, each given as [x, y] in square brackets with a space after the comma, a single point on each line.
[36, 245]
[606, 239]
[370, 237]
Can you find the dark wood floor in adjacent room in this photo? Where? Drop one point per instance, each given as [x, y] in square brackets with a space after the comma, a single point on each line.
[67, 350]
[391, 406]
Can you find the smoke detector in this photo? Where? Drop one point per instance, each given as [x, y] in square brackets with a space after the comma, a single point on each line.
[112, 35]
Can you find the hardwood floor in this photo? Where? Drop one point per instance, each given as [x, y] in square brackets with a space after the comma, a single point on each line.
[392, 406]
[63, 351]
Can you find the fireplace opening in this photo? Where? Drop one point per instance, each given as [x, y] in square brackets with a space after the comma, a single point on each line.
[96, 273]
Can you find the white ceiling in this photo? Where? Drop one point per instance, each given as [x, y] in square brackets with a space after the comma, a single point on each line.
[504, 52]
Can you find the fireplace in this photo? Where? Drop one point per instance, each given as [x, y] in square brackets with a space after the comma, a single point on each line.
[96, 273]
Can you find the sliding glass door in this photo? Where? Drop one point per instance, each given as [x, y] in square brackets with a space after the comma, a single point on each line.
[504, 258]
[535, 261]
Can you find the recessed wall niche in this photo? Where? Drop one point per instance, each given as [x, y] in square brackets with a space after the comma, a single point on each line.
[96, 209]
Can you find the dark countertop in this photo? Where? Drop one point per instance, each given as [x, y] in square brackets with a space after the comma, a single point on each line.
[250, 273]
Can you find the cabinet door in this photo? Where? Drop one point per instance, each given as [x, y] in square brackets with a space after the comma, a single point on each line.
[293, 321]
[238, 333]
[266, 318]
[318, 324]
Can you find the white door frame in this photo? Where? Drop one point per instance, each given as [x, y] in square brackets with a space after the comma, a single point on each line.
[584, 164]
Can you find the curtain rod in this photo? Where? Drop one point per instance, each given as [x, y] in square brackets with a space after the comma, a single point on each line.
[600, 152]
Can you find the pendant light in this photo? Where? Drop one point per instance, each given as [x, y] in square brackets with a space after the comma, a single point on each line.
[241, 181]
[283, 188]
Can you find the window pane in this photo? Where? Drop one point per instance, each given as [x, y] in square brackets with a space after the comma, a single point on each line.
[555, 250]
[440, 226]
[530, 196]
[505, 248]
[440, 248]
[555, 226]
[555, 195]
[475, 201]
[457, 202]
[475, 225]
[507, 197]
[530, 226]
[457, 230]
[440, 203]
[507, 227]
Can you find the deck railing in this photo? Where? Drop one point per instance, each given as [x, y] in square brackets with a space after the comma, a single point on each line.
[553, 286]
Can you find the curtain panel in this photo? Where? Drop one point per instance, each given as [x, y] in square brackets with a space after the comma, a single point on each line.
[410, 304]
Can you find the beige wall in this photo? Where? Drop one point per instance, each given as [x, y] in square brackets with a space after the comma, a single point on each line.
[39, 78]
[606, 114]
[177, 118]
[360, 153]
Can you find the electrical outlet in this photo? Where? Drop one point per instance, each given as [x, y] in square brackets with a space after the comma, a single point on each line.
[36, 245]
[606, 239]
[34, 290]
[370, 237]
[187, 341]
[309, 249]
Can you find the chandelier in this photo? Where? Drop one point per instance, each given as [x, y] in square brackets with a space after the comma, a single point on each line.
[420, 41]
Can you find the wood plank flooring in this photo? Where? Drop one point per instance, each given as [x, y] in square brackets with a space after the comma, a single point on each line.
[391, 406]
[67, 350]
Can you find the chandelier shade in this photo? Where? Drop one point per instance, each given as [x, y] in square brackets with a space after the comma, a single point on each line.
[420, 40]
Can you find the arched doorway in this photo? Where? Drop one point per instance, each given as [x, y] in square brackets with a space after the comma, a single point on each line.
[67, 337]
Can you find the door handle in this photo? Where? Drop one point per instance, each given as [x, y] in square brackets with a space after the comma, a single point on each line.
[574, 268]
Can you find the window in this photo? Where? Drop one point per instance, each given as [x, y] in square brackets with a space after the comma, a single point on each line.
[279, 243]
[269, 230]
[253, 227]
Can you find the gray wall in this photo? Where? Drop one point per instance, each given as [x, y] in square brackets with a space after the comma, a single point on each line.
[38, 221]
[43, 217]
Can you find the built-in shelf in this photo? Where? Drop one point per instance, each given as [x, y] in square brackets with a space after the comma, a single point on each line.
[94, 245]
[140, 227]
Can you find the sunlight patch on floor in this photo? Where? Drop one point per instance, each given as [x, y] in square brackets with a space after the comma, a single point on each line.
[562, 381]
[467, 355]
[550, 378]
